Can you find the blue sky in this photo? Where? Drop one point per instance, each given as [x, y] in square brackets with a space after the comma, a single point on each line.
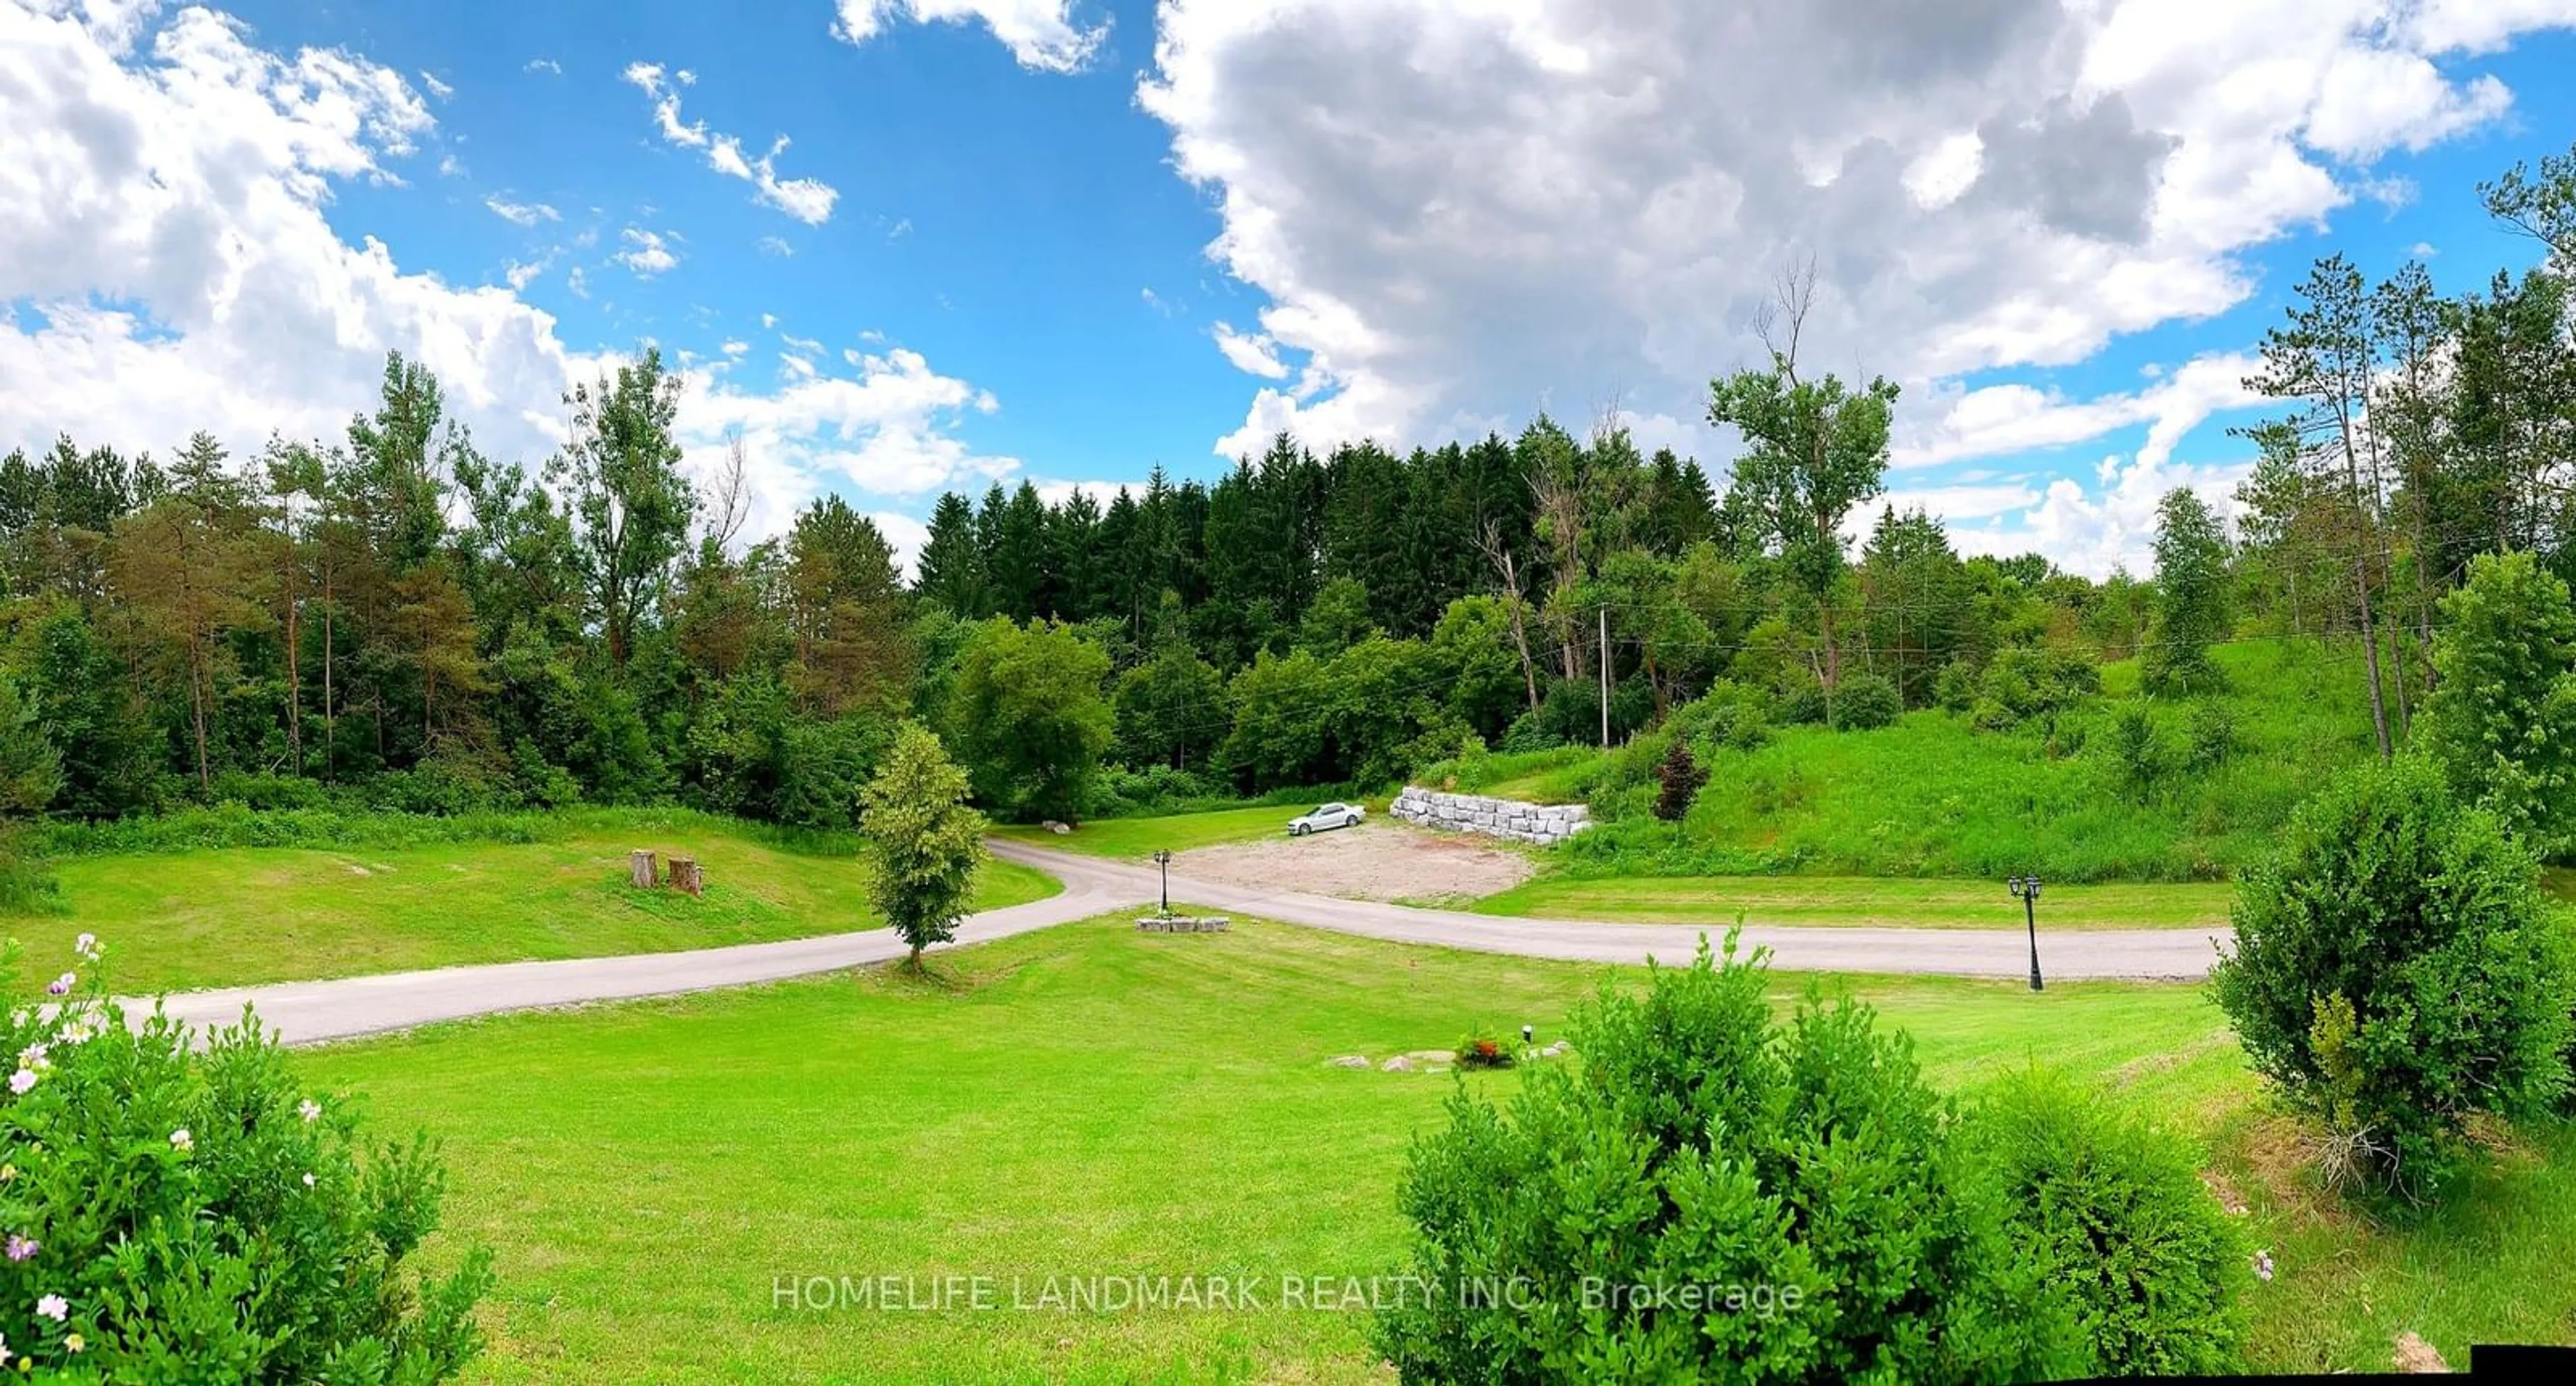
[1004, 237]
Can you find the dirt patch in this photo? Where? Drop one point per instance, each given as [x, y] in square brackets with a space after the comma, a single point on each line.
[1374, 861]
[2415, 1355]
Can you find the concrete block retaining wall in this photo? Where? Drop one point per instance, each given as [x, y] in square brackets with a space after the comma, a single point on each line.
[1509, 818]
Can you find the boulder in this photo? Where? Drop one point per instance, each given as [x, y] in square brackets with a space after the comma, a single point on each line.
[1351, 1061]
[1398, 1064]
[1059, 829]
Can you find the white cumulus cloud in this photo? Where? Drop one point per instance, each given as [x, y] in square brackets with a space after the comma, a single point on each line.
[1459, 210]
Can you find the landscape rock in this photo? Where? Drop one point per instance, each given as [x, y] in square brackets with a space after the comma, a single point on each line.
[1555, 1050]
[1351, 1061]
[1505, 818]
[1432, 1056]
[1059, 829]
[1398, 1064]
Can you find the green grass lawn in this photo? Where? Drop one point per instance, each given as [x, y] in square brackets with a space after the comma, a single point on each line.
[1138, 838]
[228, 917]
[1089, 1101]
[1857, 900]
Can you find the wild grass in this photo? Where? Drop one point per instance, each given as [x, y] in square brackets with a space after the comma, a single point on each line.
[1932, 795]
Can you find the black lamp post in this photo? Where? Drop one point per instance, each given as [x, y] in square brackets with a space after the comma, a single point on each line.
[1163, 859]
[2026, 890]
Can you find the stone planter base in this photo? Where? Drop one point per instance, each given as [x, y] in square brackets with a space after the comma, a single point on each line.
[1182, 923]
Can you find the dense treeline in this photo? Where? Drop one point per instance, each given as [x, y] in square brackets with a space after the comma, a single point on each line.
[393, 619]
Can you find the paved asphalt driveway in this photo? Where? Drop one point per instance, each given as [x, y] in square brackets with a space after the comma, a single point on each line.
[310, 1012]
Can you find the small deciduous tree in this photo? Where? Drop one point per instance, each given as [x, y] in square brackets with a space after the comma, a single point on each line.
[924, 845]
[2191, 595]
[2502, 721]
[1029, 718]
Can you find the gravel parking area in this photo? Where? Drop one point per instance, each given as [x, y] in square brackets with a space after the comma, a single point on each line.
[1378, 860]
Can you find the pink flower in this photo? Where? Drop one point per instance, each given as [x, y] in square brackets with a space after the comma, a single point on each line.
[53, 1307]
[22, 1080]
[181, 1140]
[2263, 1265]
[21, 1246]
[61, 986]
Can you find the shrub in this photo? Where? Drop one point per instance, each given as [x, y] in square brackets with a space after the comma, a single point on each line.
[1866, 702]
[2137, 750]
[1729, 715]
[1483, 1051]
[1800, 1180]
[1679, 778]
[2396, 969]
[2115, 1212]
[176, 1214]
[2213, 734]
[2028, 683]
[1801, 705]
[1527, 734]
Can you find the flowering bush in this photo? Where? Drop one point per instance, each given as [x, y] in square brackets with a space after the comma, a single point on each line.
[1483, 1051]
[172, 1214]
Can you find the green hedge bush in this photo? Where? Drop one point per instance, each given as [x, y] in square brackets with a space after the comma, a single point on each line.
[1866, 702]
[1714, 1195]
[2397, 969]
[2114, 1209]
[180, 1215]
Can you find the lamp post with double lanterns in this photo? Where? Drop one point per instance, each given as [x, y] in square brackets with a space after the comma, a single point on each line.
[1163, 859]
[2026, 890]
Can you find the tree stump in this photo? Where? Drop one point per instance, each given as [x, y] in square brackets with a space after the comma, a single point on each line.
[639, 870]
[686, 876]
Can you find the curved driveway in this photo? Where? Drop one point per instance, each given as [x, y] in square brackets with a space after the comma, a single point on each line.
[311, 1012]
[2097, 954]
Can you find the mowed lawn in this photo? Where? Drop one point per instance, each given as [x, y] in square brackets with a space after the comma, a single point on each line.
[235, 916]
[1139, 838]
[1861, 900]
[660, 1179]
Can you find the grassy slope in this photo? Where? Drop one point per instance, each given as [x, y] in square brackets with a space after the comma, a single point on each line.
[1931, 796]
[1087, 1100]
[227, 917]
[1139, 838]
[1716, 901]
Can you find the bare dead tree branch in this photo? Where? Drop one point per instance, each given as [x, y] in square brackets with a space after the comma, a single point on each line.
[732, 505]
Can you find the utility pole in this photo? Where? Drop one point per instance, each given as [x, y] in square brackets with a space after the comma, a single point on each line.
[1605, 678]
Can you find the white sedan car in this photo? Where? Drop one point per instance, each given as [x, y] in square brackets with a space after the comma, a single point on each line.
[1328, 817]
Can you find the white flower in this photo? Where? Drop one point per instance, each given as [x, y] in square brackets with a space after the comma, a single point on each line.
[180, 1139]
[308, 1109]
[22, 1080]
[308, 1179]
[86, 945]
[53, 1307]
[33, 1056]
